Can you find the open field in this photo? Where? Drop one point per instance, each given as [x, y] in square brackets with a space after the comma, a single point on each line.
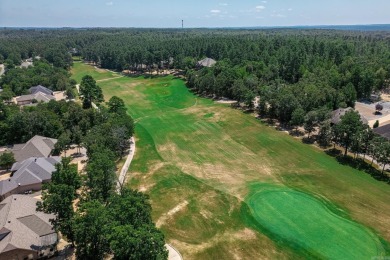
[224, 186]
[79, 70]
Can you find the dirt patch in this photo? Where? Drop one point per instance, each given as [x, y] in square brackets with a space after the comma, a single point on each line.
[163, 219]
[5, 176]
[231, 237]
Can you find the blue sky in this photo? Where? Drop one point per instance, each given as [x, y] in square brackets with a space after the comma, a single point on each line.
[196, 13]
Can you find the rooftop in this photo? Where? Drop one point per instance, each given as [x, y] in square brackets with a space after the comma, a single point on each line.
[38, 146]
[207, 62]
[22, 227]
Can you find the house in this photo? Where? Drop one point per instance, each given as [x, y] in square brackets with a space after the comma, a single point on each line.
[40, 88]
[383, 131]
[337, 114]
[39, 94]
[38, 146]
[27, 63]
[24, 232]
[207, 62]
[32, 98]
[2, 69]
[28, 175]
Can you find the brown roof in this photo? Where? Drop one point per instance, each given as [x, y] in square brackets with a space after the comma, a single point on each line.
[22, 227]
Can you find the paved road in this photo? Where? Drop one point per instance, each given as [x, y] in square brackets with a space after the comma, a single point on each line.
[173, 253]
[126, 166]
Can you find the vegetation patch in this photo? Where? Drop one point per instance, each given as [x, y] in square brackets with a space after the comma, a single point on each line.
[212, 163]
[308, 224]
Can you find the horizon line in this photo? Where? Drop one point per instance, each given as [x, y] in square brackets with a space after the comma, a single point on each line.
[179, 27]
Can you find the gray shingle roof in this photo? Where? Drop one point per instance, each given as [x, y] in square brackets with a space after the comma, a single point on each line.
[383, 131]
[34, 170]
[39, 96]
[28, 229]
[28, 172]
[38, 146]
[337, 114]
[42, 89]
[37, 225]
[7, 186]
[207, 62]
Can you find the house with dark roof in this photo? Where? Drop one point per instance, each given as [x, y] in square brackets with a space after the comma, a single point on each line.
[42, 89]
[383, 131]
[207, 62]
[38, 146]
[24, 232]
[339, 113]
[28, 175]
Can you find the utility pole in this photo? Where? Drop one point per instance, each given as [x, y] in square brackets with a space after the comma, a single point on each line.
[182, 24]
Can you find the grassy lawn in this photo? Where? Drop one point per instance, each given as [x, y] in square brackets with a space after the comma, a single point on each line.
[223, 185]
[79, 70]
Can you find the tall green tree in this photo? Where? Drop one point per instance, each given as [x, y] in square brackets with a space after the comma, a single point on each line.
[116, 105]
[90, 91]
[349, 127]
[92, 230]
[58, 196]
[144, 242]
[101, 173]
[7, 160]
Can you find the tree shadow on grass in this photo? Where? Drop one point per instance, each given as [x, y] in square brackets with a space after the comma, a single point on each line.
[308, 140]
[358, 164]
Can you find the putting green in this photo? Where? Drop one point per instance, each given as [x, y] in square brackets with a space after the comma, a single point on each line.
[308, 224]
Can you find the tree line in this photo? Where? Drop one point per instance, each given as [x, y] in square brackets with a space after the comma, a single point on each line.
[104, 222]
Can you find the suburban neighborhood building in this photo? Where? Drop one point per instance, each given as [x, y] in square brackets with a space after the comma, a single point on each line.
[27, 63]
[38, 146]
[383, 131]
[337, 114]
[39, 94]
[28, 175]
[24, 232]
[207, 62]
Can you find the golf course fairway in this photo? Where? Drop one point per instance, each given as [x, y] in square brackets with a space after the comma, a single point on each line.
[305, 222]
[224, 185]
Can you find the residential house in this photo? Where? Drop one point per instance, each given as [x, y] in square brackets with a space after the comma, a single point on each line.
[42, 89]
[339, 113]
[27, 63]
[383, 131]
[28, 175]
[39, 94]
[38, 146]
[24, 232]
[32, 99]
[207, 62]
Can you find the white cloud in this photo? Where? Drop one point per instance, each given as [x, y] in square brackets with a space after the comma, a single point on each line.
[290, 9]
[264, 2]
[223, 4]
[278, 15]
[110, 3]
[215, 11]
[260, 8]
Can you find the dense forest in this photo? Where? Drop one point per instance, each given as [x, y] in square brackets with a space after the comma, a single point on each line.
[309, 68]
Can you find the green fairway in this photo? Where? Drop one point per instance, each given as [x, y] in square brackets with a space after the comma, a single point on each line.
[79, 70]
[223, 185]
[306, 222]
